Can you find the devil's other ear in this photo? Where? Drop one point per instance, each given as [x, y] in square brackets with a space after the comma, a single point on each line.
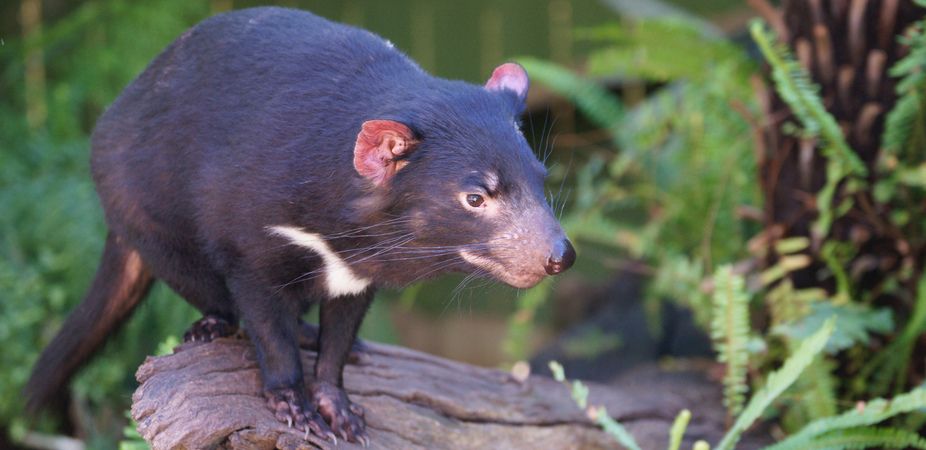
[510, 77]
[380, 147]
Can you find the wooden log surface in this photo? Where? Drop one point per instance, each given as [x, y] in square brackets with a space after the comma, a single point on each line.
[209, 396]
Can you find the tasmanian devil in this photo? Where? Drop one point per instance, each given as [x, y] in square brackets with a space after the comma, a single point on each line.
[268, 160]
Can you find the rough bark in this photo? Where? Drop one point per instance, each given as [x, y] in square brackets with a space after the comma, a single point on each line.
[208, 396]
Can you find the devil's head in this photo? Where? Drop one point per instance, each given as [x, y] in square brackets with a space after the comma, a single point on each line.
[454, 172]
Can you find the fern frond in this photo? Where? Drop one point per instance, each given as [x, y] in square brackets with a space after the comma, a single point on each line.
[871, 437]
[777, 382]
[797, 89]
[817, 390]
[730, 332]
[905, 126]
[874, 412]
[868, 437]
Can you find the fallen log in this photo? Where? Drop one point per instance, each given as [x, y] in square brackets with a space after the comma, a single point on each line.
[208, 396]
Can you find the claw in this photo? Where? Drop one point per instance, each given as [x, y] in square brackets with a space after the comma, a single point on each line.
[363, 441]
[333, 438]
[289, 421]
[305, 437]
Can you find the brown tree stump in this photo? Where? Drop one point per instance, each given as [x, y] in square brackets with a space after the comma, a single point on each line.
[209, 396]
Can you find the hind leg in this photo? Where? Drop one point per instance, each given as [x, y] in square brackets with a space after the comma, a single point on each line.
[191, 276]
[209, 295]
[208, 328]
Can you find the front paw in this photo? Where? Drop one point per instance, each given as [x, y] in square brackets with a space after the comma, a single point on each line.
[291, 407]
[345, 418]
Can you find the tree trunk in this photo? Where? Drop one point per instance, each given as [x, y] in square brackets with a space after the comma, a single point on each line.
[847, 46]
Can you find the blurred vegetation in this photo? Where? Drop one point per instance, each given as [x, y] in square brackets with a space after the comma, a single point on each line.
[50, 221]
[681, 194]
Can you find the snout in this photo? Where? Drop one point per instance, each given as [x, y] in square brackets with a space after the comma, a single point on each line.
[561, 258]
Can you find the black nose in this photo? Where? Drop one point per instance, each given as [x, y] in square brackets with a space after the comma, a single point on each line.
[562, 257]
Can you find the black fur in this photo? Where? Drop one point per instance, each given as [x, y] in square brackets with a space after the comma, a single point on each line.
[249, 121]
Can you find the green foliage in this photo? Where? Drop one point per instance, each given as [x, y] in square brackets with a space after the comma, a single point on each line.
[51, 225]
[670, 196]
[131, 438]
[903, 135]
[730, 332]
[869, 438]
[802, 95]
[777, 382]
[855, 324]
[890, 365]
[677, 432]
[852, 429]
[682, 170]
[775, 385]
[796, 88]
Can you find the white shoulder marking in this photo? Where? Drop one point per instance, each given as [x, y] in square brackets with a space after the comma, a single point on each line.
[339, 278]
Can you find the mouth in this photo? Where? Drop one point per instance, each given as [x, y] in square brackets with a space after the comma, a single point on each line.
[523, 280]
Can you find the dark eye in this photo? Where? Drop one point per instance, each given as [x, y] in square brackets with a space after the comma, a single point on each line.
[475, 200]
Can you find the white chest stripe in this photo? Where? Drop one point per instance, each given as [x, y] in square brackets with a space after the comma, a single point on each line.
[339, 279]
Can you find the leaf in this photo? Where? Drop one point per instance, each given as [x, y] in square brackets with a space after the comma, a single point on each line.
[777, 382]
[614, 428]
[871, 413]
[678, 429]
[854, 324]
[867, 438]
[797, 89]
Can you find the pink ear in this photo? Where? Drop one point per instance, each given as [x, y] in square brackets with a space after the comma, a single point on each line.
[379, 146]
[509, 76]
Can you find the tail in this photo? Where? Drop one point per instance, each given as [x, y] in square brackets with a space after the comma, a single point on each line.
[121, 282]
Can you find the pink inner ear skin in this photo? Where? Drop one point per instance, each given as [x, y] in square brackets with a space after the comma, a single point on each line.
[510, 76]
[378, 145]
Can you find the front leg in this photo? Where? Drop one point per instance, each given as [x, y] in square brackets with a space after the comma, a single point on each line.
[339, 320]
[272, 323]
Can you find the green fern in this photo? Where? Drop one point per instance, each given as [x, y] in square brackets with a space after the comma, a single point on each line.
[777, 382]
[796, 88]
[871, 413]
[871, 437]
[817, 390]
[730, 332]
[904, 131]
